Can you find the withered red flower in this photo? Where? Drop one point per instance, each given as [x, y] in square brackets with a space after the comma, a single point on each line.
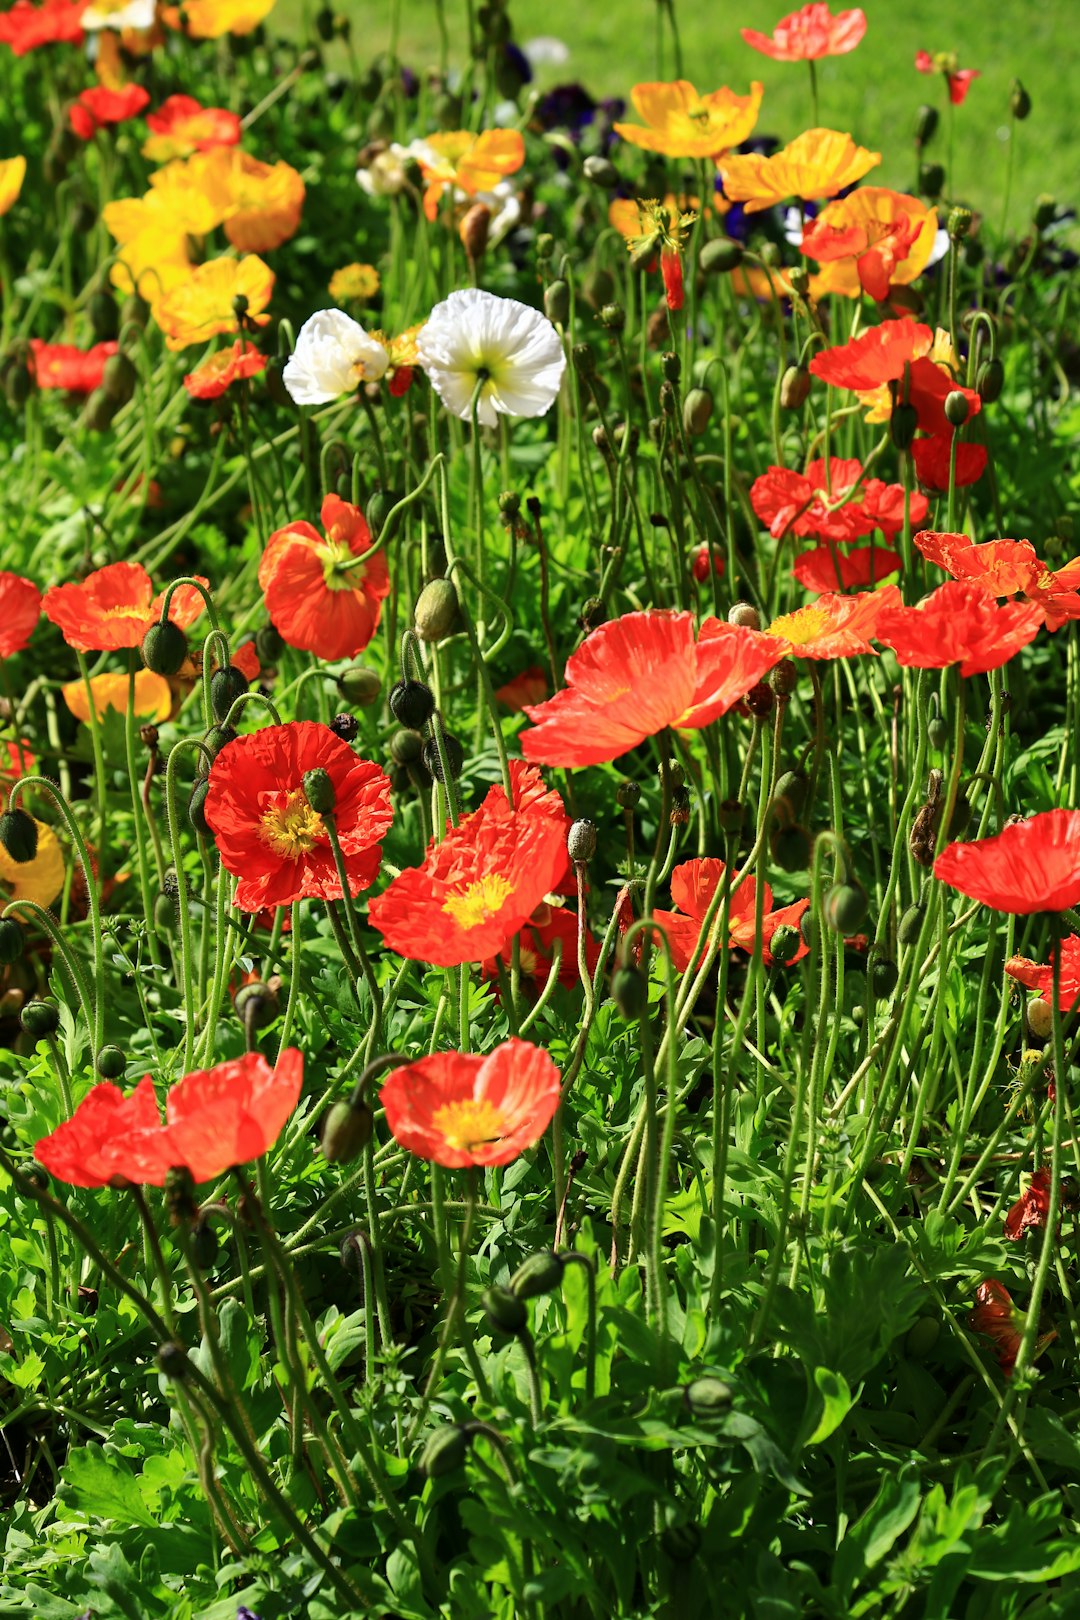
[458, 1109]
[958, 79]
[1031, 865]
[997, 1318]
[1040, 977]
[1031, 1208]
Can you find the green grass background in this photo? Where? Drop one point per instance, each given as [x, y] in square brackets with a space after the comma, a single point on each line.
[873, 92]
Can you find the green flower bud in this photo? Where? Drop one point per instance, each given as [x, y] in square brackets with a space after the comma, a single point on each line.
[504, 1310]
[412, 704]
[111, 1063]
[613, 317]
[1019, 101]
[956, 408]
[926, 123]
[627, 794]
[1040, 1018]
[911, 924]
[990, 380]
[255, 1004]
[601, 171]
[406, 747]
[539, 1274]
[197, 809]
[445, 1451]
[40, 1019]
[696, 411]
[790, 847]
[436, 610]
[269, 644]
[12, 942]
[931, 179]
[789, 796]
[319, 790]
[104, 317]
[347, 1132]
[226, 685]
[119, 378]
[794, 388]
[164, 648]
[845, 908]
[922, 1337]
[630, 991]
[173, 1363]
[433, 760]
[884, 977]
[359, 685]
[937, 732]
[784, 945]
[708, 1398]
[784, 677]
[217, 738]
[720, 256]
[204, 1245]
[744, 614]
[903, 425]
[19, 835]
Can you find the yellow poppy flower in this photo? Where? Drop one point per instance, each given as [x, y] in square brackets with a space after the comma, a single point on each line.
[203, 305]
[259, 203]
[357, 281]
[818, 163]
[471, 163]
[41, 879]
[210, 19]
[12, 175]
[153, 698]
[872, 240]
[680, 123]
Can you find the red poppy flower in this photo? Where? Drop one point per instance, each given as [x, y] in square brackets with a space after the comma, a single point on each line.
[693, 885]
[483, 882]
[62, 365]
[824, 568]
[886, 234]
[875, 357]
[549, 925]
[25, 27]
[214, 376]
[637, 675]
[1041, 978]
[267, 833]
[20, 610]
[931, 457]
[457, 1109]
[958, 78]
[319, 595]
[16, 759]
[181, 125]
[109, 1140]
[806, 503]
[809, 34]
[101, 106]
[959, 624]
[707, 559]
[225, 1116]
[1031, 1208]
[531, 686]
[833, 626]
[997, 1318]
[1002, 567]
[1030, 866]
[115, 606]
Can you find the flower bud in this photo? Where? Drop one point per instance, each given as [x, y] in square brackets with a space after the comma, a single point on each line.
[455, 757]
[784, 945]
[911, 924]
[681, 1542]
[319, 790]
[794, 388]
[504, 1310]
[760, 700]
[784, 678]
[40, 1019]
[345, 726]
[679, 808]
[1045, 211]
[707, 1398]
[790, 847]
[613, 317]
[204, 1245]
[134, 311]
[937, 732]
[473, 231]
[406, 747]
[359, 685]
[539, 1274]
[436, 610]
[557, 302]
[19, 835]
[922, 1337]
[197, 809]
[926, 123]
[347, 1132]
[1019, 101]
[445, 1451]
[990, 380]
[903, 425]
[164, 648]
[671, 366]
[884, 977]
[12, 943]
[627, 794]
[958, 223]
[217, 738]
[104, 316]
[720, 256]
[544, 247]
[119, 379]
[593, 613]
[956, 408]
[845, 907]
[226, 685]
[255, 1004]
[789, 796]
[581, 841]
[180, 1200]
[173, 1363]
[696, 411]
[584, 360]
[1040, 1018]
[731, 815]
[510, 504]
[601, 171]
[931, 179]
[111, 1063]
[744, 614]
[630, 991]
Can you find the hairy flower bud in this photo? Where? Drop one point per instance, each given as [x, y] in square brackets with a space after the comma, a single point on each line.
[347, 1132]
[744, 614]
[557, 302]
[990, 380]
[12, 942]
[784, 945]
[539, 1274]
[697, 409]
[110, 1063]
[40, 1019]
[720, 256]
[790, 847]
[581, 841]
[436, 610]
[845, 907]
[164, 648]
[455, 757]
[406, 747]
[445, 1451]
[903, 425]
[630, 991]
[956, 408]
[19, 835]
[226, 685]
[794, 388]
[319, 790]
[504, 1310]
[926, 123]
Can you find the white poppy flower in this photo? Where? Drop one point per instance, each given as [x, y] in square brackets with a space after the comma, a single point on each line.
[387, 173]
[333, 356]
[514, 351]
[118, 14]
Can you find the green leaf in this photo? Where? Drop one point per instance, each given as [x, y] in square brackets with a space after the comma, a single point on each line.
[837, 1401]
[885, 1520]
[103, 1487]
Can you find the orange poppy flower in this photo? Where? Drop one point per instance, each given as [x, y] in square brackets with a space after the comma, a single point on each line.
[833, 626]
[1032, 865]
[827, 569]
[358, 282]
[110, 1140]
[637, 675]
[933, 457]
[319, 596]
[693, 885]
[1002, 567]
[100, 107]
[457, 1109]
[1035, 976]
[959, 624]
[222, 1117]
[40, 879]
[211, 19]
[997, 1318]
[20, 610]
[810, 33]
[26, 27]
[959, 79]
[887, 237]
[875, 357]
[680, 123]
[211, 379]
[818, 163]
[115, 606]
[203, 304]
[483, 882]
[468, 162]
[183, 125]
[12, 175]
[260, 203]
[660, 232]
[62, 365]
[266, 831]
[153, 696]
[531, 686]
[806, 503]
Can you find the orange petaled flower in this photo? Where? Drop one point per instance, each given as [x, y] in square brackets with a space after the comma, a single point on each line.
[946, 62]
[1002, 567]
[828, 569]
[680, 123]
[204, 304]
[875, 357]
[266, 831]
[1029, 1212]
[358, 282]
[818, 163]
[99, 107]
[531, 686]
[222, 1117]
[659, 231]
[214, 376]
[478, 886]
[320, 593]
[809, 34]
[260, 203]
[211, 19]
[457, 1109]
[1032, 865]
[833, 626]
[636, 676]
[62, 365]
[997, 1318]
[40, 879]
[153, 696]
[183, 125]
[818, 502]
[933, 459]
[110, 1140]
[20, 610]
[12, 175]
[693, 886]
[1037, 977]
[115, 606]
[887, 237]
[467, 162]
[624, 213]
[959, 624]
[26, 27]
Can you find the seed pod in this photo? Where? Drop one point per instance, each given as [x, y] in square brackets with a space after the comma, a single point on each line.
[1019, 101]
[40, 1019]
[319, 791]
[784, 677]
[445, 1451]
[990, 380]
[19, 835]
[436, 610]
[708, 1398]
[784, 945]
[845, 907]
[794, 388]
[911, 924]
[696, 411]
[226, 685]
[884, 977]
[760, 700]
[630, 991]
[197, 809]
[359, 685]
[790, 847]
[111, 1063]
[473, 231]
[504, 1310]
[412, 703]
[119, 378]
[539, 1274]
[613, 317]
[455, 757]
[12, 942]
[720, 256]
[164, 648]
[347, 1132]
[345, 726]
[627, 794]
[581, 841]
[958, 223]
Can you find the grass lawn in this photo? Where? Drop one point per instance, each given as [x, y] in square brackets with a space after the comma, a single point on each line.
[873, 93]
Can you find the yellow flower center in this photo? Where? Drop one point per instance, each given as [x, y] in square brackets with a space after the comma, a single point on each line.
[467, 1124]
[341, 570]
[804, 625]
[293, 828]
[479, 902]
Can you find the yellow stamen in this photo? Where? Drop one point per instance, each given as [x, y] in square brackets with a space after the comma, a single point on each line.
[478, 902]
[292, 829]
[804, 625]
[467, 1124]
